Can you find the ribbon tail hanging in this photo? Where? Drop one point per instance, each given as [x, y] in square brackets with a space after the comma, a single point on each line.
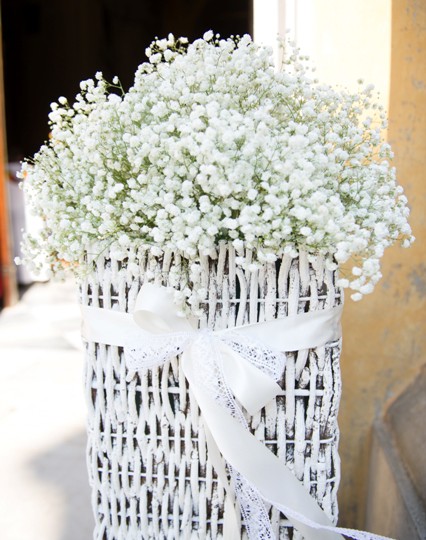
[274, 481]
[272, 478]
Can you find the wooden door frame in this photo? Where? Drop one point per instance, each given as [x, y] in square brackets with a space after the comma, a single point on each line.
[7, 266]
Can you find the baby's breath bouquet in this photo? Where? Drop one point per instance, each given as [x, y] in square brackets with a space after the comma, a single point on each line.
[211, 144]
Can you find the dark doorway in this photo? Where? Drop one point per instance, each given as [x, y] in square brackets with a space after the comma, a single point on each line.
[51, 45]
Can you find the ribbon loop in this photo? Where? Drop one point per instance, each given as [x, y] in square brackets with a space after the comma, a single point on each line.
[154, 311]
[242, 376]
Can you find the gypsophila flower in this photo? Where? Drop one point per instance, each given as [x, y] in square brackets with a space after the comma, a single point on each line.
[212, 144]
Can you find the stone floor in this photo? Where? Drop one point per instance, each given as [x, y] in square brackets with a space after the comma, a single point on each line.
[44, 494]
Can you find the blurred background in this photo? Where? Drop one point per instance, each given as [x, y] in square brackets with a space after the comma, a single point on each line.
[48, 47]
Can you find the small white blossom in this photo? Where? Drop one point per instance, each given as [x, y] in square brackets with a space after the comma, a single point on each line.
[208, 36]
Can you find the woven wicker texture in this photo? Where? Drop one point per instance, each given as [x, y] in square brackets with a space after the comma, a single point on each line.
[148, 464]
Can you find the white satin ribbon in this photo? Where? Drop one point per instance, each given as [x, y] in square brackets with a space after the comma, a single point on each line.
[242, 363]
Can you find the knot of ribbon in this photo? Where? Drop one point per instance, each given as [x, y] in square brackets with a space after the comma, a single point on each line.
[228, 371]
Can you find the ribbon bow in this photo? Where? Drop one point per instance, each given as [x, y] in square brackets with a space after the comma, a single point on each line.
[226, 369]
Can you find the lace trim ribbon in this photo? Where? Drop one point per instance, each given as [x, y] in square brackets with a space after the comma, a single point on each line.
[227, 370]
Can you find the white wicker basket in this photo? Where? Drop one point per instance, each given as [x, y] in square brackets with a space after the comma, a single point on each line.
[148, 463]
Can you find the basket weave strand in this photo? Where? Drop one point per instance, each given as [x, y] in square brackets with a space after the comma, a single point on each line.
[148, 463]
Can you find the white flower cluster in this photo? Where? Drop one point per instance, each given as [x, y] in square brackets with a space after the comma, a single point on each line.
[212, 143]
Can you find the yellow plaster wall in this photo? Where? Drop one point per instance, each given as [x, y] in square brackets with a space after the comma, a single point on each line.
[384, 42]
[346, 40]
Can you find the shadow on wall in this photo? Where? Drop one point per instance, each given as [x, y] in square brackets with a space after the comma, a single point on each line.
[64, 469]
